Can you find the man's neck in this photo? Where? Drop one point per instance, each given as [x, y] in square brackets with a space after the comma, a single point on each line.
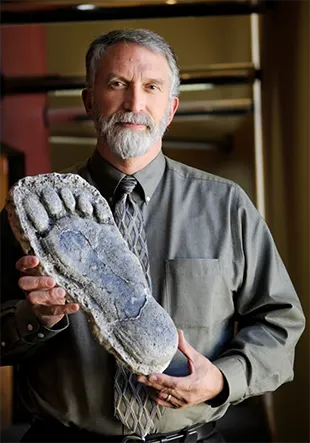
[131, 165]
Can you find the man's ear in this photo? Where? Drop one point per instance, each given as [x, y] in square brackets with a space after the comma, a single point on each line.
[174, 103]
[88, 103]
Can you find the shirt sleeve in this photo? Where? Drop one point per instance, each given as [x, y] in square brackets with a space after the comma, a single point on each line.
[21, 332]
[269, 316]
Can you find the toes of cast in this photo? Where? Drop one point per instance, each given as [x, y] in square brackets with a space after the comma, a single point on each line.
[52, 201]
[55, 203]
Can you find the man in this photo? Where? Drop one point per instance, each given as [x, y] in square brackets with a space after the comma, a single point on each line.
[213, 263]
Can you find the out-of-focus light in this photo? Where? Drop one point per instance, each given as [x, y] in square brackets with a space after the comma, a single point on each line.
[171, 2]
[196, 87]
[85, 7]
[66, 93]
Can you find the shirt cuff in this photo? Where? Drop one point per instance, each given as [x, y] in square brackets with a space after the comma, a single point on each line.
[222, 397]
[31, 331]
[235, 376]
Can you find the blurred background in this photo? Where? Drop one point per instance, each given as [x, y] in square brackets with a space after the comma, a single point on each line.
[244, 115]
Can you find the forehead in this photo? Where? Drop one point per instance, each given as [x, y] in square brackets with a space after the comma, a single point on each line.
[131, 59]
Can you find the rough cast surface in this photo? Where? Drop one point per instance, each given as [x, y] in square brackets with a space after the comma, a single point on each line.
[69, 226]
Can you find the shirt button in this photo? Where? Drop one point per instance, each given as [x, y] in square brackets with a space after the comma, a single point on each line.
[148, 199]
[29, 327]
[40, 335]
[3, 343]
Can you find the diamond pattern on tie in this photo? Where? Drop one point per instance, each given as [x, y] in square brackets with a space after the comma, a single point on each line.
[129, 220]
[132, 403]
[133, 406]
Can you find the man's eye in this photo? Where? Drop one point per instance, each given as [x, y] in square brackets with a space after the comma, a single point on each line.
[117, 84]
[153, 87]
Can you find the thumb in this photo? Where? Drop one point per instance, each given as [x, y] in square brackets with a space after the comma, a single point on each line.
[187, 350]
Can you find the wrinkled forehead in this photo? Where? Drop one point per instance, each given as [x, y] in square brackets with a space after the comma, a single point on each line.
[133, 60]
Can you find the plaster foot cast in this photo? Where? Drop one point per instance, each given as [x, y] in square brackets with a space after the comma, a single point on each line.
[69, 226]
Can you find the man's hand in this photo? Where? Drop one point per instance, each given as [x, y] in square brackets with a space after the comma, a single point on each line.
[46, 300]
[204, 382]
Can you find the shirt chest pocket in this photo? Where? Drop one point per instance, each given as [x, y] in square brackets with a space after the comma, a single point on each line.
[196, 294]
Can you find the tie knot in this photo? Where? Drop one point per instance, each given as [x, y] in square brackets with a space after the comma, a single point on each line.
[127, 184]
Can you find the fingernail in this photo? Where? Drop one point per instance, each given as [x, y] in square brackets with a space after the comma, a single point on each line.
[50, 282]
[153, 378]
[60, 291]
[141, 379]
[76, 307]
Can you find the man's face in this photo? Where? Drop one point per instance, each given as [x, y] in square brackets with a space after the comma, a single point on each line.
[129, 101]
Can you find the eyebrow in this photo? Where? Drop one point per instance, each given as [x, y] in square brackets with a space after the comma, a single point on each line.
[113, 75]
[159, 81]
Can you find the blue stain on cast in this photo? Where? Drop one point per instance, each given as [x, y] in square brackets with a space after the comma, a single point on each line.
[85, 259]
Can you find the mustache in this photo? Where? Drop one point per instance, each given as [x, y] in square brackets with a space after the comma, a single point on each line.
[131, 117]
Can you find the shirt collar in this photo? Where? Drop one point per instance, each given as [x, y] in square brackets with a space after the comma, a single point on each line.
[107, 177]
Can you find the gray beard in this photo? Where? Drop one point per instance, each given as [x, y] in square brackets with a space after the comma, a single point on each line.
[125, 142]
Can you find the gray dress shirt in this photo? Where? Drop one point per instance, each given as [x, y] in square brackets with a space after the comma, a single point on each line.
[213, 263]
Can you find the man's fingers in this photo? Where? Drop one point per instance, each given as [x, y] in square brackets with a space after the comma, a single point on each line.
[42, 294]
[161, 381]
[53, 296]
[164, 403]
[160, 397]
[51, 310]
[168, 400]
[30, 283]
[27, 262]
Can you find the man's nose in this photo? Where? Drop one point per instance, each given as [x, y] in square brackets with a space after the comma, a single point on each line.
[134, 100]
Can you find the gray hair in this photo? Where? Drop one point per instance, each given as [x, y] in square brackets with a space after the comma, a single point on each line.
[148, 39]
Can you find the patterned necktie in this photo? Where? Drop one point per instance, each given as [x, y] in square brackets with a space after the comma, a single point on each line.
[133, 406]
